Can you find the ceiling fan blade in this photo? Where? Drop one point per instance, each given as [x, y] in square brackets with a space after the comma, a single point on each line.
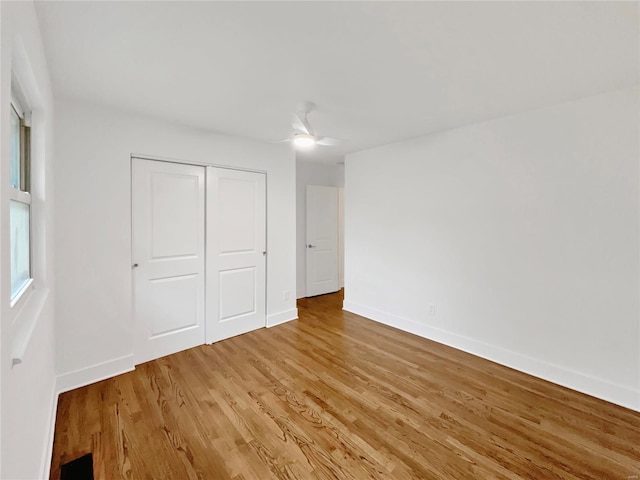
[298, 124]
[280, 141]
[327, 141]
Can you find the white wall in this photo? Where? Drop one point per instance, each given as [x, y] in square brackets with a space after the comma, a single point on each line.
[310, 173]
[27, 330]
[523, 232]
[93, 234]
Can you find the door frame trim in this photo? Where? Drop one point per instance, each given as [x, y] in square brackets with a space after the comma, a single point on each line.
[194, 163]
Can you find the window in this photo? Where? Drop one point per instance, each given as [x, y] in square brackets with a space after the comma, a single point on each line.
[20, 198]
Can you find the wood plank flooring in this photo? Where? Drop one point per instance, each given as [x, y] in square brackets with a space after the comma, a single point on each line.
[337, 396]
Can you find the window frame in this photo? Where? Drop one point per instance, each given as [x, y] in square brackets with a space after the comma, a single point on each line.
[22, 193]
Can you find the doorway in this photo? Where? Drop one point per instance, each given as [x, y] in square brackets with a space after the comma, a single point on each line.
[322, 245]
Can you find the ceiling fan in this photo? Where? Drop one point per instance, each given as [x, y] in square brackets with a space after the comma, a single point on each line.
[303, 134]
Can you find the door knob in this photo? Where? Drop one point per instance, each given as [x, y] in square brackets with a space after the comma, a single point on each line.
[311, 246]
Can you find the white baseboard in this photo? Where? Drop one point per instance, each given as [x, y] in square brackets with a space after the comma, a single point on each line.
[593, 386]
[94, 373]
[301, 293]
[45, 464]
[282, 317]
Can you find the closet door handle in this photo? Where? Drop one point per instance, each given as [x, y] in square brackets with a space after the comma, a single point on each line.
[311, 246]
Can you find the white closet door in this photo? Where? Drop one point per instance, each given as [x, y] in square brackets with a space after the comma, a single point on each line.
[236, 245]
[168, 213]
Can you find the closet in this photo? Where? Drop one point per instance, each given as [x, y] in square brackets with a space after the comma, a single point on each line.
[198, 255]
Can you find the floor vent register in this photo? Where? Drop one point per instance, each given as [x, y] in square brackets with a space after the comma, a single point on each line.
[79, 469]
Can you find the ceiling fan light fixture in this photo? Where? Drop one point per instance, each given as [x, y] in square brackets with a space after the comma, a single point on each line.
[304, 140]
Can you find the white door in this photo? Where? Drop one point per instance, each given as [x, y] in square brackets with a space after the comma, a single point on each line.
[168, 214]
[322, 240]
[236, 252]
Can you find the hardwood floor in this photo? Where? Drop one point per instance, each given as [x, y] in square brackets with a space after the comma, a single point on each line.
[337, 396]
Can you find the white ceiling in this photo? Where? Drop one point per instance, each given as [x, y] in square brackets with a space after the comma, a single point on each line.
[378, 71]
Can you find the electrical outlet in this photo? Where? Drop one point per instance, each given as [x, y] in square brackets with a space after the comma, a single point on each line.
[285, 295]
[432, 309]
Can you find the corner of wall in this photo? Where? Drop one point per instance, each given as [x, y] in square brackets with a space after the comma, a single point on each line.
[94, 373]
